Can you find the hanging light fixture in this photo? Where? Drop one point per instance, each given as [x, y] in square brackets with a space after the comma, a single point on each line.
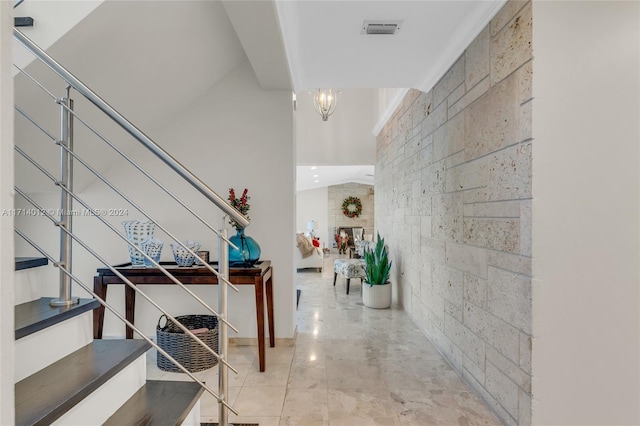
[324, 101]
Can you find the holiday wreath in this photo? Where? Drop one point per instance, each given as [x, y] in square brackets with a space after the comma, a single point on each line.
[351, 207]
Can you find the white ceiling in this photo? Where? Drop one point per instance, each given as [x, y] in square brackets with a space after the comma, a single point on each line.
[325, 47]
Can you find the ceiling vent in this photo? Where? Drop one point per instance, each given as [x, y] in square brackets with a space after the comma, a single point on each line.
[381, 27]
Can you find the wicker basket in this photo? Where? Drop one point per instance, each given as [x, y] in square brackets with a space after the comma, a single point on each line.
[183, 348]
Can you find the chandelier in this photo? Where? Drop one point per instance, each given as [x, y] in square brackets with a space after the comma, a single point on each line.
[324, 101]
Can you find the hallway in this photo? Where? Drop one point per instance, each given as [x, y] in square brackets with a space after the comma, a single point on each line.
[350, 366]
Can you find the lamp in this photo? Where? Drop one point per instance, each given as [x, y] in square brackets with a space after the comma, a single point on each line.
[324, 101]
[310, 226]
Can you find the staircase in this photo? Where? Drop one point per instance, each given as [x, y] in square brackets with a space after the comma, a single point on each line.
[62, 375]
[66, 377]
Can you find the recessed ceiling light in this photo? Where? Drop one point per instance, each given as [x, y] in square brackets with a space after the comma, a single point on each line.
[315, 175]
[313, 167]
[316, 181]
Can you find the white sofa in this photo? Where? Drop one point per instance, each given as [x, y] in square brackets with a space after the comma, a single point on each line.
[314, 258]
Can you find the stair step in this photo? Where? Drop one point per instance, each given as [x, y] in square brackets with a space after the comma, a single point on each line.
[30, 262]
[46, 395]
[37, 315]
[158, 402]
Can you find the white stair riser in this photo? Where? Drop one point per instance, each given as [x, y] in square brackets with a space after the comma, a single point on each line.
[36, 351]
[193, 418]
[34, 283]
[104, 401]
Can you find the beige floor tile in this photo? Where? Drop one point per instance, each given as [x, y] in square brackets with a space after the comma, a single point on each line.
[260, 401]
[277, 355]
[366, 404]
[440, 408]
[309, 404]
[302, 421]
[304, 376]
[366, 421]
[235, 380]
[275, 375]
[241, 355]
[209, 407]
[350, 366]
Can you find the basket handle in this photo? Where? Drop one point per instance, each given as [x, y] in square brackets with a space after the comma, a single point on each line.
[166, 322]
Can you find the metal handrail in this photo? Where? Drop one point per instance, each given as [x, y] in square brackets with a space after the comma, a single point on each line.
[65, 143]
[122, 277]
[121, 194]
[133, 327]
[119, 151]
[156, 264]
[158, 151]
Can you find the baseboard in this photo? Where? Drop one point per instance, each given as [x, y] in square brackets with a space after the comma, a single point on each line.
[238, 341]
[253, 341]
[311, 269]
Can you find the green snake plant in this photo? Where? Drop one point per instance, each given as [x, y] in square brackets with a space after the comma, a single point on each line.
[377, 264]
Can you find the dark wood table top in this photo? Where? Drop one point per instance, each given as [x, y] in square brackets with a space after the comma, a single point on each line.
[126, 269]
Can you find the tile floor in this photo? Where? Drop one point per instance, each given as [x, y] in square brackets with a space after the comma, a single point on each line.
[350, 366]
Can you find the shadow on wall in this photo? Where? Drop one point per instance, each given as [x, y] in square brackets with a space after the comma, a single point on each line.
[396, 272]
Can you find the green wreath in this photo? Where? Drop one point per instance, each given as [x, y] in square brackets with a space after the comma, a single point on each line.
[352, 207]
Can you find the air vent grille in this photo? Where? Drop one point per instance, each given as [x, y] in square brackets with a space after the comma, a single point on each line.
[380, 27]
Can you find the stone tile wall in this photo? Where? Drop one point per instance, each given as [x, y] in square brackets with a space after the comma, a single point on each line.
[453, 200]
[337, 194]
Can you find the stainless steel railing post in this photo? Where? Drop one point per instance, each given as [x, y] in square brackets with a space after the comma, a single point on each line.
[66, 201]
[223, 269]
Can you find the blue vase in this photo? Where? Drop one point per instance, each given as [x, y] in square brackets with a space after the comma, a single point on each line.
[248, 253]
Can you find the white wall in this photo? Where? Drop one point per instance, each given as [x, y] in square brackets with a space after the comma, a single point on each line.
[52, 19]
[6, 222]
[345, 139]
[235, 135]
[586, 232]
[312, 204]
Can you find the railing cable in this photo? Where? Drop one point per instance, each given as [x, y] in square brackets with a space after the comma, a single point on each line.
[131, 129]
[126, 157]
[103, 220]
[126, 198]
[124, 279]
[36, 82]
[128, 323]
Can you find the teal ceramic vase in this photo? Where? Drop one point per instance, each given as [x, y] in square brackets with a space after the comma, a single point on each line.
[248, 252]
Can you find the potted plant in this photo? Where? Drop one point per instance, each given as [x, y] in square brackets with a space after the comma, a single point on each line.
[376, 290]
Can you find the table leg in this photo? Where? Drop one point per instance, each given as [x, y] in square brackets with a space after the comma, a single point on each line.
[272, 332]
[130, 308]
[98, 313]
[260, 317]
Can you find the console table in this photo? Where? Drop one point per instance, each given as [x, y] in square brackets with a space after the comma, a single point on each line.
[259, 276]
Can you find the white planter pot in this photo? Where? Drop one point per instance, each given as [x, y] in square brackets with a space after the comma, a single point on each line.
[376, 296]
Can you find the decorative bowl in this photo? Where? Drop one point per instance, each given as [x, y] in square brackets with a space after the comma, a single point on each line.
[182, 256]
[153, 248]
[138, 231]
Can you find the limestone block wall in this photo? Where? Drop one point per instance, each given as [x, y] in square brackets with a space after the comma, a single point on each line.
[337, 194]
[453, 200]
